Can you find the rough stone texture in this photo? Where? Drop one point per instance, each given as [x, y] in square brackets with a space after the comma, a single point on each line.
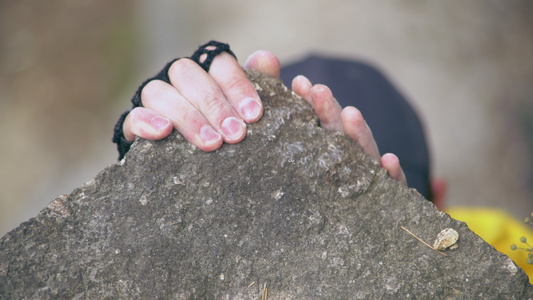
[293, 208]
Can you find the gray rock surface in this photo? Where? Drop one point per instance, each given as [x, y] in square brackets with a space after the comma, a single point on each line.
[293, 211]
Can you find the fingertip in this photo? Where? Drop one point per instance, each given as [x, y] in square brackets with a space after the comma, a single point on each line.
[389, 160]
[351, 113]
[211, 139]
[352, 120]
[302, 86]
[355, 126]
[251, 109]
[439, 188]
[233, 130]
[326, 107]
[321, 89]
[323, 97]
[391, 163]
[265, 62]
[146, 124]
[154, 128]
[301, 81]
[162, 126]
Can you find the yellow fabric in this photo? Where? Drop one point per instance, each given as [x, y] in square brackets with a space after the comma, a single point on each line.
[499, 229]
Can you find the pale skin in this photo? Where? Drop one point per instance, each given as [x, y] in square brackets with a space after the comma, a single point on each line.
[212, 108]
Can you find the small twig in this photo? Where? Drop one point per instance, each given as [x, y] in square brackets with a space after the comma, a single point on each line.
[422, 241]
[265, 292]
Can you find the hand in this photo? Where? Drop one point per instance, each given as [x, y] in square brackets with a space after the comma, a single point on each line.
[211, 108]
[351, 121]
[207, 108]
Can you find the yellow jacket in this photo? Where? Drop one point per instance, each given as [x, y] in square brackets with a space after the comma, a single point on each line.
[499, 229]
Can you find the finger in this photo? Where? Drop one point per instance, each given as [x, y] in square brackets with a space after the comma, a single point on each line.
[202, 92]
[439, 189]
[264, 62]
[302, 86]
[147, 124]
[164, 99]
[356, 127]
[391, 163]
[326, 107]
[238, 90]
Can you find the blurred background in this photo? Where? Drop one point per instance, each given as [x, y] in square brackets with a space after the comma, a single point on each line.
[69, 68]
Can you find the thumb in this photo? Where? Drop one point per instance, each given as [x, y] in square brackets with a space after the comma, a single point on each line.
[147, 124]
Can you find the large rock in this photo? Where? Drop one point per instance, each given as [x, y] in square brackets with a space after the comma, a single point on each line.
[293, 210]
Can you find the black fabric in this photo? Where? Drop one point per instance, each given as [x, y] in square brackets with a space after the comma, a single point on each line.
[123, 145]
[211, 54]
[118, 136]
[162, 75]
[394, 124]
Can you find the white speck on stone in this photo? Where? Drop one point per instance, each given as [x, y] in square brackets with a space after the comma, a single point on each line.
[177, 180]
[146, 147]
[278, 194]
[343, 191]
[324, 254]
[57, 207]
[343, 230]
[143, 200]
[337, 262]
[510, 266]
[192, 148]
[209, 201]
[392, 284]
[117, 251]
[221, 276]
[346, 170]
[90, 183]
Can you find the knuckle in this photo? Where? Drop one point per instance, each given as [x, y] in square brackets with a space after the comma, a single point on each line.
[236, 83]
[182, 65]
[213, 105]
[152, 90]
[133, 116]
[190, 116]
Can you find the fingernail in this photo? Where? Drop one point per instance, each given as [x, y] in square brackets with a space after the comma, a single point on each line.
[233, 128]
[209, 135]
[250, 108]
[159, 123]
